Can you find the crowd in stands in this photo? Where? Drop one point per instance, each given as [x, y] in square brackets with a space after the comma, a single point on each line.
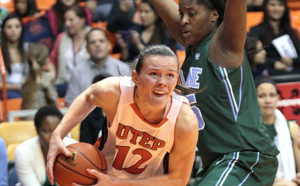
[130, 26]
[60, 51]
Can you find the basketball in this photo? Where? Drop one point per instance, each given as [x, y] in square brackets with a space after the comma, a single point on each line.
[74, 169]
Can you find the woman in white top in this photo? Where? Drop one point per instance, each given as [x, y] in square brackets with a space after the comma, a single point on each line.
[70, 46]
[13, 49]
[30, 156]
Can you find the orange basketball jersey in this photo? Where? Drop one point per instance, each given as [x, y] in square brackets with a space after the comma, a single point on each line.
[136, 148]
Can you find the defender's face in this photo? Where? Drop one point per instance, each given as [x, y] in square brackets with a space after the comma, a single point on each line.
[196, 21]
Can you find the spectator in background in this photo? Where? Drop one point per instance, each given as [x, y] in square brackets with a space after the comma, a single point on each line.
[257, 56]
[98, 46]
[100, 9]
[14, 55]
[57, 12]
[121, 16]
[283, 133]
[70, 47]
[152, 31]
[30, 156]
[38, 88]
[254, 5]
[91, 127]
[3, 163]
[276, 23]
[36, 25]
[24, 8]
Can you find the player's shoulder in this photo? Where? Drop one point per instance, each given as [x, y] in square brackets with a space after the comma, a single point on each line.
[186, 120]
[294, 129]
[110, 87]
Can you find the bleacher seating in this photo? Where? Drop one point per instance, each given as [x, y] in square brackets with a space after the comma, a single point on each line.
[44, 4]
[14, 133]
[253, 19]
[75, 132]
[295, 20]
[293, 4]
[181, 56]
[14, 108]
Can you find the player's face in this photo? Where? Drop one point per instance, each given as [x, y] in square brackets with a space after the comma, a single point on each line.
[46, 129]
[148, 16]
[267, 98]
[13, 30]
[73, 22]
[98, 45]
[196, 21]
[156, 80]
[275, 9]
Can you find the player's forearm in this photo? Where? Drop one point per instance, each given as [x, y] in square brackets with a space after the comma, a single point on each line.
[78, 110]
[163, 180]
[235, 12]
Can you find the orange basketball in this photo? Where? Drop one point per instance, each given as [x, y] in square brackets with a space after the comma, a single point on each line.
[68, 170]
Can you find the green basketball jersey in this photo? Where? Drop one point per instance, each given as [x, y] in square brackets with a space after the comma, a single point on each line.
[228, 102]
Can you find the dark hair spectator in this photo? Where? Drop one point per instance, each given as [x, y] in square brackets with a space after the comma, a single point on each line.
[14, 55]
[31, 155]
[276, 23]
[45, 111]
[36, 25]
[24, 8]
[121, 15]
[152, 31]
[256, 56]
[57, 12]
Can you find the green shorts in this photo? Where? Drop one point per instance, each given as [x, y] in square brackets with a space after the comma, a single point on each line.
[239, 168]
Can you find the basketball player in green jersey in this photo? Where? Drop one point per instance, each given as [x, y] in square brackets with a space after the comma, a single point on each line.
[233, 144]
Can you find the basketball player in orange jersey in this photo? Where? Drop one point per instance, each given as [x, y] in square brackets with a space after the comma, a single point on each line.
[146, 121]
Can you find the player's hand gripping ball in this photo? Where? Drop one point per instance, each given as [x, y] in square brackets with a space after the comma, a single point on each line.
[68, 170]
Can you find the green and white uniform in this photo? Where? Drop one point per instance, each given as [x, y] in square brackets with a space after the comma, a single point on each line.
[233, 121]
